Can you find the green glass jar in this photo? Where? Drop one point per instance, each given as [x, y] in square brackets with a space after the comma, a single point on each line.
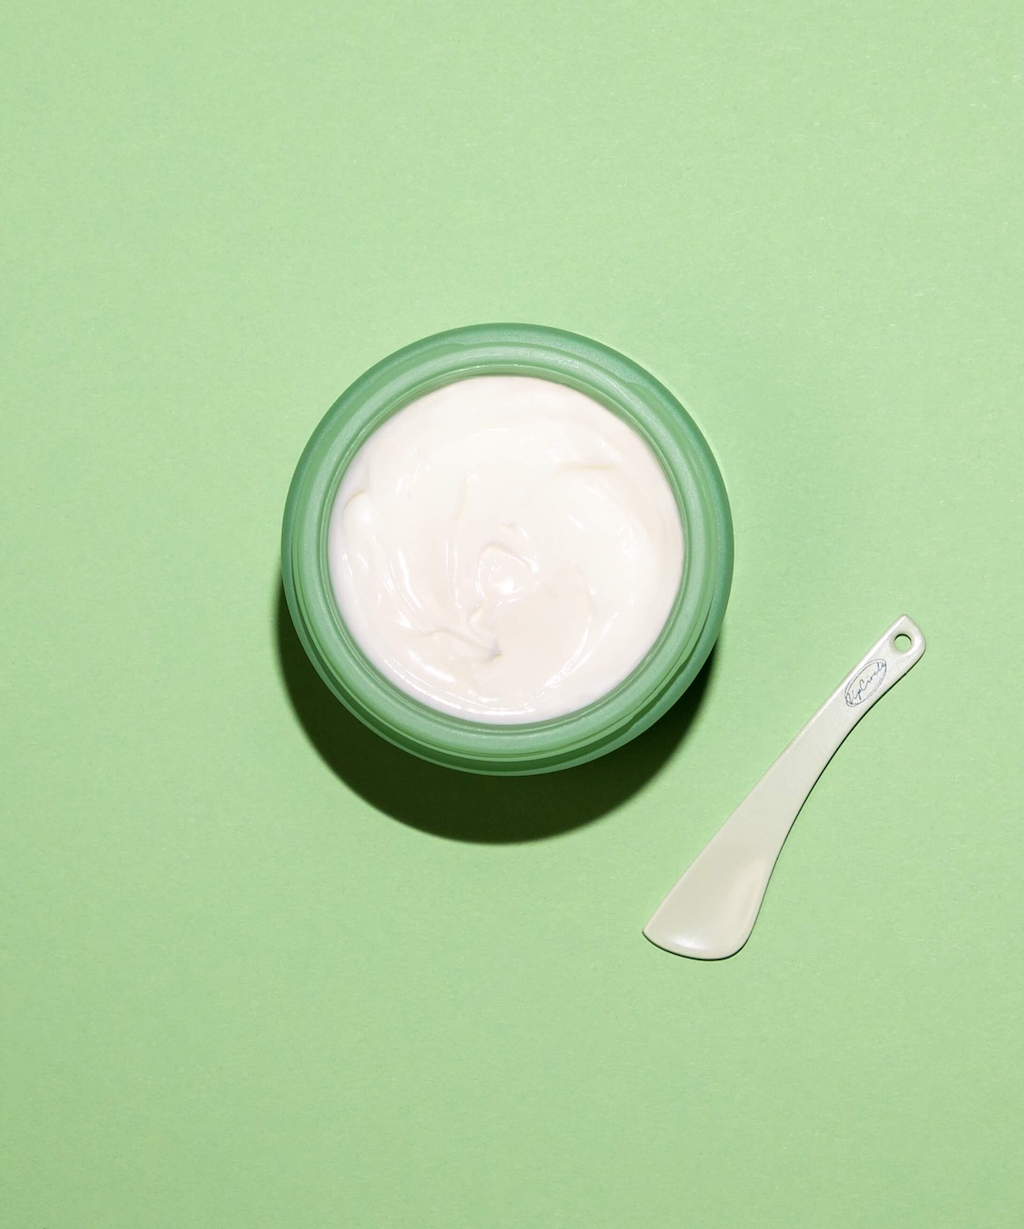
[689, 632]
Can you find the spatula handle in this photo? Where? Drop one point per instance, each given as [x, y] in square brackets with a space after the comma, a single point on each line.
[711, 911]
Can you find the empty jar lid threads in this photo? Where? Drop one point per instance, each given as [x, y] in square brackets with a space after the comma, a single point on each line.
[507, 549]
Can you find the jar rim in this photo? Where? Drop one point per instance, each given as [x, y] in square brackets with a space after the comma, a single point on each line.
[631, 393]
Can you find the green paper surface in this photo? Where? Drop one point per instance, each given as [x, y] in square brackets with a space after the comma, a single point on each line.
[261, 970]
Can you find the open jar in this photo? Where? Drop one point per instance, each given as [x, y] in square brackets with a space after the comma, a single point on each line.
[396, 699]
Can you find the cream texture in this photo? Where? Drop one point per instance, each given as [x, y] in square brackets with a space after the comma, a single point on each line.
[505, 549]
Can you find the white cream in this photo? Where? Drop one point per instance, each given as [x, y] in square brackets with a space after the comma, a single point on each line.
[505, 549]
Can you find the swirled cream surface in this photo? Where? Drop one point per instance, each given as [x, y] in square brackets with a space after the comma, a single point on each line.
[505, 549]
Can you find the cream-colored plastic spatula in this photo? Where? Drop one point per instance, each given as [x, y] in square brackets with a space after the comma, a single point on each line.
[711, 911]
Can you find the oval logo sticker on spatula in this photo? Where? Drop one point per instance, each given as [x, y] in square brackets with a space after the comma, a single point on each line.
[711, 911]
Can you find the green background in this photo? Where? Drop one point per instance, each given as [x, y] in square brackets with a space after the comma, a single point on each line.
[260, 970]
